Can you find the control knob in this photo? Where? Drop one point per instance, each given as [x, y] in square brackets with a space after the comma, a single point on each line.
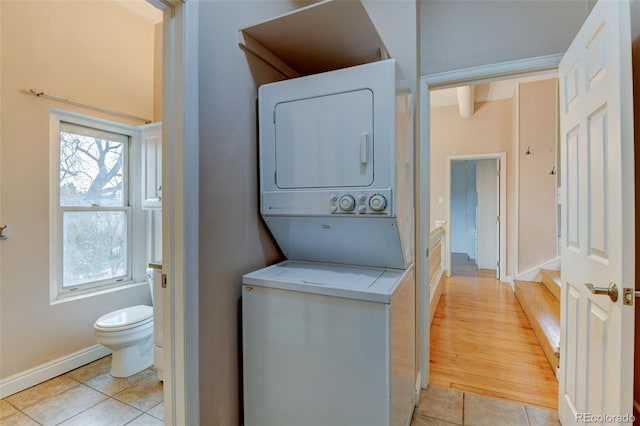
[378, 202]
[347, 203]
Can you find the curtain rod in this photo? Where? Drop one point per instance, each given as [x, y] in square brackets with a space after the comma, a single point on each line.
[41, 94]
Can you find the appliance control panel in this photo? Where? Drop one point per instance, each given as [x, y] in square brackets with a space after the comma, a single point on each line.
[358, 202]
[335, 201]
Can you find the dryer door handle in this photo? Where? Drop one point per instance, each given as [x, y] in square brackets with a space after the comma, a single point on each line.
[363, 149]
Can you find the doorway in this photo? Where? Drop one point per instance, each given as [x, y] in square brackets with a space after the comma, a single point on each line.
[474, 215]
[476, 304]
[476, 236]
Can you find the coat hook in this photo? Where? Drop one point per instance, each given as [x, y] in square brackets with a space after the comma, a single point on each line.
[553, 170]
[528, 151]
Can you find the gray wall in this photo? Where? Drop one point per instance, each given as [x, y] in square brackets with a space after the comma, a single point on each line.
[455, 34]
[233, 240]
[459, 34]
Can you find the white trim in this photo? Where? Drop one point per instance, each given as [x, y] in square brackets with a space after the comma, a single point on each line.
[520, 67]
[423, 230]
[534, 273]
[180, 143]
[502, 157]
[450, 79]
[51, 369]
[509, 280]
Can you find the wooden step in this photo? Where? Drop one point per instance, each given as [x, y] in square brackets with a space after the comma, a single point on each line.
[542, 309]
[551, 279]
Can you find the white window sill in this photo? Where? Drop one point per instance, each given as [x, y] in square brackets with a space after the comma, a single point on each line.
[84, 294]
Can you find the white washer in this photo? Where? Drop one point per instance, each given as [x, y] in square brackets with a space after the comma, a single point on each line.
[327, 344]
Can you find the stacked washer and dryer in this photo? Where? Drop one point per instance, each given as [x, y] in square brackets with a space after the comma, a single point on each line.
[329, 334]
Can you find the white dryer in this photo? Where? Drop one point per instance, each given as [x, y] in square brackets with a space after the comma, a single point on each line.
[328, 345]
[335, 166]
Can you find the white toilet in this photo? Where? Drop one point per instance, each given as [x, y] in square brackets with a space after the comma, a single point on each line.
[128, 333]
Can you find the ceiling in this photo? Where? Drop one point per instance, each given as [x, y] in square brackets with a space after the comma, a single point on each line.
[489, 91]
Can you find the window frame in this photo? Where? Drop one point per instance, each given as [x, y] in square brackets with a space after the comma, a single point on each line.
[132, 207]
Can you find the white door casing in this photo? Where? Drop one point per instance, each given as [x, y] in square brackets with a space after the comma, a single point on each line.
[596, 122]
[499, 219]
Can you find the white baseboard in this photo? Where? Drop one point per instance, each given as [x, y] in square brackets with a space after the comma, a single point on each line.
[51, 369]
[534, 273]
[509, 279]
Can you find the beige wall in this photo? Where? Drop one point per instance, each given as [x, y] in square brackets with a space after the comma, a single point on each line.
[537, 199]
[529, 119]
[157, 72]
[488, 130]
[460, 34]
[512, 189]
[68, 49]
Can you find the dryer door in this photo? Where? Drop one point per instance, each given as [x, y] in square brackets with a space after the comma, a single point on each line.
[325, 141]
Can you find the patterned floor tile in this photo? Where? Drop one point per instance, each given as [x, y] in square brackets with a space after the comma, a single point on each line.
[480, 410]
[39, 393]
[106, 413]
[63, 406]
[146, 420]
[143, 395]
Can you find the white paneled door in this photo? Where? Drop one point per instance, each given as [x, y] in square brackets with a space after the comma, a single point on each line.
[596, 354]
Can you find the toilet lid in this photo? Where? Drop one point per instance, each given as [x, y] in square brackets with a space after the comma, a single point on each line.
[125, 317]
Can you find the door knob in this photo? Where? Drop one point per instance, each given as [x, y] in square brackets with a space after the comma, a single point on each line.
[611, 291]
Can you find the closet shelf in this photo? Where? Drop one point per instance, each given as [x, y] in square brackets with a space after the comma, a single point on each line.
[324, 36]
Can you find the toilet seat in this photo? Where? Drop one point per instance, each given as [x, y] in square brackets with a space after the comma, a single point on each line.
[124, 319]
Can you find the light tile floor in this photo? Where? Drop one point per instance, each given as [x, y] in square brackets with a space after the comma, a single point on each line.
[440, 406]
[88, 396]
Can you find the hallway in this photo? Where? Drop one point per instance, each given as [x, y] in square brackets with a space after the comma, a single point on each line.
[481, 342]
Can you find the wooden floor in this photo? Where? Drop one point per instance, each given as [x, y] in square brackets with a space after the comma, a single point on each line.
[481, 342]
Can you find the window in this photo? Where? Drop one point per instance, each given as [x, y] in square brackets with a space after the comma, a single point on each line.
[94, 216]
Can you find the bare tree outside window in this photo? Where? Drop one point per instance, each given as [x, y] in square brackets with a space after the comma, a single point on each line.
[93, 199]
